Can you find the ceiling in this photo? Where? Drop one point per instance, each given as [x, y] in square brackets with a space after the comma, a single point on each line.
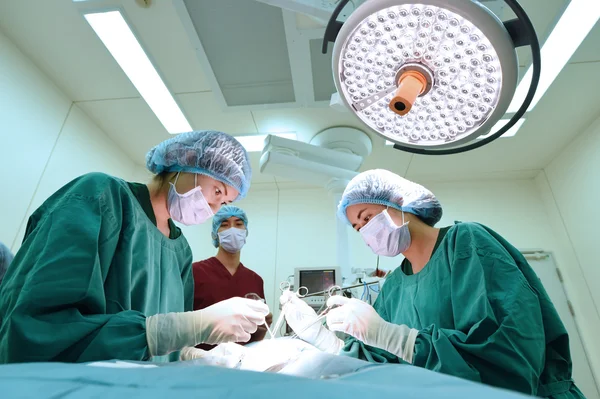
[258, 69]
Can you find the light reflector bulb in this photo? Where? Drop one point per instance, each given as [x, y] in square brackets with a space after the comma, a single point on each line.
[473, 77]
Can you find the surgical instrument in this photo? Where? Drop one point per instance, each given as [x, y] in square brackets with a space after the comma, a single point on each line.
[330, 292]
[301, 292]
[286, 286]
[337, 288]
[256, 297]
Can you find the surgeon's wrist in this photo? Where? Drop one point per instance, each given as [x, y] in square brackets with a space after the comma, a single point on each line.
[328, 342]
[170, 332]
[191, 353]
[398, 339]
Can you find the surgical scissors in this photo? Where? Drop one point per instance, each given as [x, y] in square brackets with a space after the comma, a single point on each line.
[337, 288]
[286, 286]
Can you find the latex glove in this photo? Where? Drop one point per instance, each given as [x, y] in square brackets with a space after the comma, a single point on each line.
[231, 320]
[359, 319]
[191, 353]
[261, 332]
[299, 316]
[228, 355]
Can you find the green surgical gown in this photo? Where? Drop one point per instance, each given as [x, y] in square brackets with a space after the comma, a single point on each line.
[91, 268]
[482, 314]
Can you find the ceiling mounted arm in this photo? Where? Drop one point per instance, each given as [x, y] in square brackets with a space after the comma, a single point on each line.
[333, 26]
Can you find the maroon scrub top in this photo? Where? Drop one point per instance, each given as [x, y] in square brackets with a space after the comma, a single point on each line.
[213, 283]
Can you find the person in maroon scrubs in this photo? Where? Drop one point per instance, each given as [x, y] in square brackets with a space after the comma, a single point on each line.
[224, 276]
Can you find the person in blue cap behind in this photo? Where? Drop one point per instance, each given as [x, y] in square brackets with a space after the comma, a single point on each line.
[104, 273]
[224, 276]
[463, 302]
[5, 258]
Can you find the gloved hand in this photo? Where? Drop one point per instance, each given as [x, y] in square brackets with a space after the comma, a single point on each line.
[191, 353]
[260, 333]
[228, 355]
[359, 319]
[299, 316]
[231, 320]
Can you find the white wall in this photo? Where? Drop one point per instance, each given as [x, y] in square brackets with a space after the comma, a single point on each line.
[571, 190]
[45, 141]
[32, 112]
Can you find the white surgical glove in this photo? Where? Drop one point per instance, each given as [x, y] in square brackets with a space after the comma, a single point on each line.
[191, 353]
[228, 355]
[231, 320]
[299, 316]
[361, 320]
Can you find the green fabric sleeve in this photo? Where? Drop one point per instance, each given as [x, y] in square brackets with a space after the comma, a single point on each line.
[188, 287]
[498, 334]
[60, 312]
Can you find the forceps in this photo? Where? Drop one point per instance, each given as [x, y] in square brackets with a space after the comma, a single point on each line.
[301, 292]
[257, 297]
[322, 313]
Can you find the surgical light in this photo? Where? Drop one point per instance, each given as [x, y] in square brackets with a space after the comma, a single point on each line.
[114, 32]
[430, 75]
[570, 31]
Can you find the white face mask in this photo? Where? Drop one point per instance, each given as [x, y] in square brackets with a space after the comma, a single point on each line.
[383, 236]
[233, 239]
[190, 208]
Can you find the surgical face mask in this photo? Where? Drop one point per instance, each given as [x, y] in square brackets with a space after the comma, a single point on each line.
[383, 236]
[190, 208]
[232, 240]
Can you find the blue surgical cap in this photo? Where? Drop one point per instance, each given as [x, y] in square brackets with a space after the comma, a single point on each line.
[223, 214]
[383, 187]
[207, 152]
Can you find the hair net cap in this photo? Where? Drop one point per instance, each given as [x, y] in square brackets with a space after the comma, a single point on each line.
[223, 214]
[383, 187]
[211, 153]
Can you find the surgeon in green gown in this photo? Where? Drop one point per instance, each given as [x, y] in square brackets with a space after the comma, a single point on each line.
[464, 301]
[104, 273]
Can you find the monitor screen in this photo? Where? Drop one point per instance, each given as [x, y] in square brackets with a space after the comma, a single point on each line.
[317, 280]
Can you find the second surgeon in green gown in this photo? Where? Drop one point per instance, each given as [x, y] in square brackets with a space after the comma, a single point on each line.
[464, 301]
[103, 272]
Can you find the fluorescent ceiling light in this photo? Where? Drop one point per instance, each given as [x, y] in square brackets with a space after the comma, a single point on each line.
[256, 142]
[572, 28]
[499, 125]
[120, 41]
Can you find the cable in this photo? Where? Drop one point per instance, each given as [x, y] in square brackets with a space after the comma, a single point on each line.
[364, 291]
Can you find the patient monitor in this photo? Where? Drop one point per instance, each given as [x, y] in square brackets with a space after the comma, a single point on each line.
[317, 279]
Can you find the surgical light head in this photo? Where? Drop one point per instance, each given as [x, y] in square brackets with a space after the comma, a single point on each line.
[430, 75]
